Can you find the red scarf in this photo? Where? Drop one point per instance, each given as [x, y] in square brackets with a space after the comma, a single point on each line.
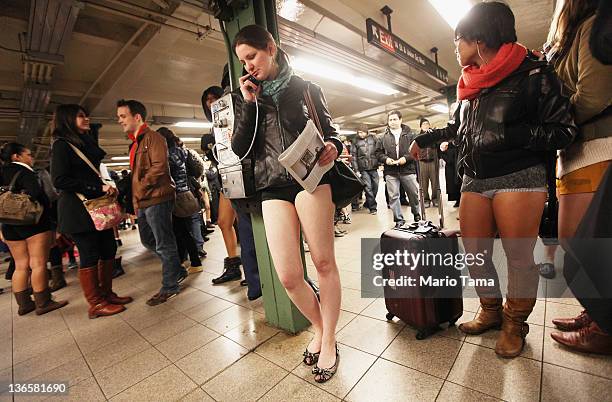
[134, 138]
[474, 79]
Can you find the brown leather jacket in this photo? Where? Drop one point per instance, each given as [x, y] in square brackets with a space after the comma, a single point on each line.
[151, 180]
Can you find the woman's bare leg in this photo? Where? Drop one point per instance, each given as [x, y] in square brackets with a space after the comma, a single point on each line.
[206, 205]
[519, 236]
[478, 234]
[38, 251]
[19, 252]
[316, 213]
[572, 208]
[283, 235]
[225, 221]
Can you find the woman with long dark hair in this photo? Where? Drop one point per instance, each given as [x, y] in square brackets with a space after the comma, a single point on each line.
[74, 178]
[511, 115]
[29, 244]
[185, 242]
[279, 99]
[582, 165]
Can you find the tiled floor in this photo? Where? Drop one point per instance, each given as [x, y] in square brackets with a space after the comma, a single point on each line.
[211, 343]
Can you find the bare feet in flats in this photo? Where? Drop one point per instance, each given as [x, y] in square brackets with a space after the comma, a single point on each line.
[312, 352]
[324, 373]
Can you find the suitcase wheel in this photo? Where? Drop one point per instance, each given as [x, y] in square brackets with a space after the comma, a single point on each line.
[425, 333]
[390, 316]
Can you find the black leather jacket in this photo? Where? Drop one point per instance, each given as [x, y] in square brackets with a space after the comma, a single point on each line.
[386, 149]
[365, 153]
[279, 126]
[510, 126]
[177, 157]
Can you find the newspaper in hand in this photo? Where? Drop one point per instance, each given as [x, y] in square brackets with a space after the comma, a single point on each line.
[301, 158]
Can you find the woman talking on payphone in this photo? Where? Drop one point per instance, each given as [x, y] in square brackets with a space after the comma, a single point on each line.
[271, 92]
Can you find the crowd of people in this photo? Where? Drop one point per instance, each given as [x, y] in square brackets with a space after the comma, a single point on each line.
[516, 108]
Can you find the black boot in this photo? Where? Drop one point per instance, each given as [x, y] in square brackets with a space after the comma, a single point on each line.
[117, 268]
[231, 271]
[57, 278]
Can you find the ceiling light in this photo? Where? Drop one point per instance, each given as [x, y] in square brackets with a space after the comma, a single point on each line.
[347, 132]
[193, 124]
[451, 10]
[439, 107]
[289, 9]
[338, 74]
[191, 139]
[117, 164]
[120, 158]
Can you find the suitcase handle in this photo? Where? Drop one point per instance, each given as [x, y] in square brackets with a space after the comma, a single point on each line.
[437, 190]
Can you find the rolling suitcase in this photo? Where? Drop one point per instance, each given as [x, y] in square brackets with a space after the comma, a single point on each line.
[425, 304]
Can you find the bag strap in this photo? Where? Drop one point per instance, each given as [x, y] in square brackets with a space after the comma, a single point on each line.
[13, 180]
[86, 160]
[312, 110]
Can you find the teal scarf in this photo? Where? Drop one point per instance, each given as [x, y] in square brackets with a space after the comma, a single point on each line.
[276, 86]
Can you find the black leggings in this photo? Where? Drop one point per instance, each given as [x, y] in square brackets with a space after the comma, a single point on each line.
[95, 246]
[55, 257]
[185, 243]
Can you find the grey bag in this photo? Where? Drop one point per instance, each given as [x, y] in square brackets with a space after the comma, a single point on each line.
[186, 204]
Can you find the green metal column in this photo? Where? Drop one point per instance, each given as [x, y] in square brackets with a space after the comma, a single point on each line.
[280, 311]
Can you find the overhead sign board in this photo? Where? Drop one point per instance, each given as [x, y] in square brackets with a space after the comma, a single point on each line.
[388, 42]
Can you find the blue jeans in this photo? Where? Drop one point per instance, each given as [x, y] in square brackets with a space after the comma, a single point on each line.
[248, 255]
[196, 231]
[370, 179]
[156, 234]
[409, 183]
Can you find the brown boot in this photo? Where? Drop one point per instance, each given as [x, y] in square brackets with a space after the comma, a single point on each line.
[98, 306]
[489, 317]
[105, 276]
[25, 302]
[573, 324]
[589, 339]
[57, 278]
[514, 329]
[45, 304]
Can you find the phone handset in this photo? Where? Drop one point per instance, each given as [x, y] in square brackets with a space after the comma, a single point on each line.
[254, 81]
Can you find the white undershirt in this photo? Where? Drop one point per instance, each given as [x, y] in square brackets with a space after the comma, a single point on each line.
[24, 165]
[396, 133]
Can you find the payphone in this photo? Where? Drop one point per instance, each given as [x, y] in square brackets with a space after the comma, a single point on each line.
[237, 172]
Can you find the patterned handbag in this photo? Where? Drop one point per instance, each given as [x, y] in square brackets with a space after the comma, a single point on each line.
[105, 211]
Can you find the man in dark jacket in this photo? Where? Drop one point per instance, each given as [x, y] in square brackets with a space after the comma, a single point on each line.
[153, 195]
[366, 163]
[400, 167]
[428, 169]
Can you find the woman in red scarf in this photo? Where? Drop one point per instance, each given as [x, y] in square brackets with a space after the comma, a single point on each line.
[511, 116]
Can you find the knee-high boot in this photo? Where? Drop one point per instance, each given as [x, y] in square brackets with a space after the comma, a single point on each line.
[98, 306]
[105, 276]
